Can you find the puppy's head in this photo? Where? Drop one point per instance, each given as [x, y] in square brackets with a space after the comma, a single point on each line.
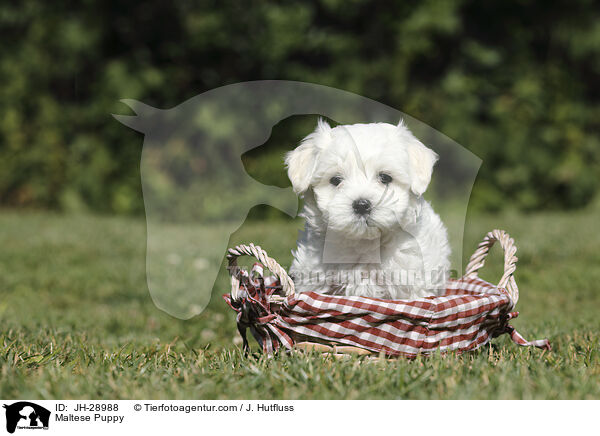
[365, 177]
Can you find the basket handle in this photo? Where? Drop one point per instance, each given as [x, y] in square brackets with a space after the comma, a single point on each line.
[510, 260]
[254, 250]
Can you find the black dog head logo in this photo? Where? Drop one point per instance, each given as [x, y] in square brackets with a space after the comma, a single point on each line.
[26, 414]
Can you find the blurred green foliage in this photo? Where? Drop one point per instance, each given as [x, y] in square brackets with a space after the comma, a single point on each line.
[514, 82]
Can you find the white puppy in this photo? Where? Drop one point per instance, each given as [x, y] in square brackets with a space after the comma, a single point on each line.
[368, 229]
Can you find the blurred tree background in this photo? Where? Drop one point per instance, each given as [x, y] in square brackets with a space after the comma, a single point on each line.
[515, 82]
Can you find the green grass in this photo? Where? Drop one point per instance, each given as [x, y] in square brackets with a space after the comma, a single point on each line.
[77, 321]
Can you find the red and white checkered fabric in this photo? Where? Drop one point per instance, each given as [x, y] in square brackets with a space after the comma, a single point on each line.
[469, 315]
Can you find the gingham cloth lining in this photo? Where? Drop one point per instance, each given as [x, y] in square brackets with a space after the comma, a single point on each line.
[467, 316]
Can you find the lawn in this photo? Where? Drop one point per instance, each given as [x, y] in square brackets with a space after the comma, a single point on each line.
[77, 321]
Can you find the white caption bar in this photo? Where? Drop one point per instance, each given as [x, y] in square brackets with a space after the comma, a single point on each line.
[165, 417]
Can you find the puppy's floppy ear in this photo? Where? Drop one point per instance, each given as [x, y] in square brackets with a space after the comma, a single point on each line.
[301, 162]
[421, 161]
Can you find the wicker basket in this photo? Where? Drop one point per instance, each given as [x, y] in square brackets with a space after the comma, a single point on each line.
[283, 295]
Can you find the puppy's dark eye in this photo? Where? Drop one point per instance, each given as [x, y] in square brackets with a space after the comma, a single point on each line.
[335, 180]
[384, 178]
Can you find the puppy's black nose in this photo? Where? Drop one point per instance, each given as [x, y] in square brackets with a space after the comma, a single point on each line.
[362, 206]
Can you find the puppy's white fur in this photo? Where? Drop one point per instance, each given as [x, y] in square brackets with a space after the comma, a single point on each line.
[398, 250]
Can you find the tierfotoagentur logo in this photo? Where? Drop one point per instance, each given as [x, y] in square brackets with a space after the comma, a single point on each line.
[25, 415]
[197, 191]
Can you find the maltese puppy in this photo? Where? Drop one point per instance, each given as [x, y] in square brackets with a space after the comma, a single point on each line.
[368, 230]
